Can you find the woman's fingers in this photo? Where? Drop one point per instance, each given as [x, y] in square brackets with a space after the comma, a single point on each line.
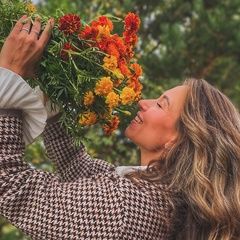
[47, 32]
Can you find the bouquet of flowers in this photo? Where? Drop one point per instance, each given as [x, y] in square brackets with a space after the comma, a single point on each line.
[87, 71]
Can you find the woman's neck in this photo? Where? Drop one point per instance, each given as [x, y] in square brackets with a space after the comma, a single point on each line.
[146, 157]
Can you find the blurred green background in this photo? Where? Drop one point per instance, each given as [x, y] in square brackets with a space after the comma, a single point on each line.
[177, 39]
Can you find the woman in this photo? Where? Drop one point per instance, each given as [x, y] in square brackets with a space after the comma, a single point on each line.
[188, 137]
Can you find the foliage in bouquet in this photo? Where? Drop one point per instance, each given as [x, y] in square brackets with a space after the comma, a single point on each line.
[87, 70]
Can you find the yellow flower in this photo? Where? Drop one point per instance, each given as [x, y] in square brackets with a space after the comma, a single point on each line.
[103, 33]
[112, 99]
[31, 8]
[88, 99]
[103, 86]
[127, 96]
[87, 119]
[110, 63]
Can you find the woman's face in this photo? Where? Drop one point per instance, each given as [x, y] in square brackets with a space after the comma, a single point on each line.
[154, 127]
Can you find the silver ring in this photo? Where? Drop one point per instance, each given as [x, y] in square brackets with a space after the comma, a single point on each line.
[25, 29]
[35, 32]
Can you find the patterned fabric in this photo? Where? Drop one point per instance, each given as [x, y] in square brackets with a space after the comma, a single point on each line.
[86, 199]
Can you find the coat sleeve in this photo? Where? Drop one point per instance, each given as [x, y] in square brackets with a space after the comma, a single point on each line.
[71, 162]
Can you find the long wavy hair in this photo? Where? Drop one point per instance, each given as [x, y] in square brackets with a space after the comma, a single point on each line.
[204, 164]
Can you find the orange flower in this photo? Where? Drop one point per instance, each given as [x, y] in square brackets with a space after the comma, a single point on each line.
[137, 69]
[67, 47]
[112, 99]
[119, 44]
[111, 66]
[103, 33]
[110, 48]
[103, 21]
[69, 24]
[103, 86]
[132, 22]
[110, 63]
[113, 46]
[87, 119]
[112, 125]
[134, 83]
[128, 95]
[133, 80]
[88, 99]
[123, 67]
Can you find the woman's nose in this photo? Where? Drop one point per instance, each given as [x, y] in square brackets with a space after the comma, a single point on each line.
[144, 104]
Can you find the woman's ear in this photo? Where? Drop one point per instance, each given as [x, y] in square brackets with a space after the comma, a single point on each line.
[169, 144]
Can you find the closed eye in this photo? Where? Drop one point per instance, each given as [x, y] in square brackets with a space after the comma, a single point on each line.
[159, 104]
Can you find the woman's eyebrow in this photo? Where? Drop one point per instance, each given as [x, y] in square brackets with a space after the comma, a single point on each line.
[167, 98]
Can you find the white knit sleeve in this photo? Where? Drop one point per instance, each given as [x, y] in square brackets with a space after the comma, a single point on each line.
[15, 93]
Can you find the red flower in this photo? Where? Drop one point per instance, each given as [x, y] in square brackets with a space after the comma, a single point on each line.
[129, 52]
[88, 33]
[69, 24]
[111, 126]
[130, 38]
[132, 22]
[67, 46]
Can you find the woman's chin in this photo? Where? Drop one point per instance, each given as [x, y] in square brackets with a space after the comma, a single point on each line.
[127, 132]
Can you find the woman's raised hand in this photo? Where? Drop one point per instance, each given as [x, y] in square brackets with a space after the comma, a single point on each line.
[23, 48]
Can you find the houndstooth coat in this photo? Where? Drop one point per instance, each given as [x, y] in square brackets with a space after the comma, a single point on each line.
[86, 199]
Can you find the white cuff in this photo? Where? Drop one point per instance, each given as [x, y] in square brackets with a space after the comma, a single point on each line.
[16, 93]
[52, 109]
